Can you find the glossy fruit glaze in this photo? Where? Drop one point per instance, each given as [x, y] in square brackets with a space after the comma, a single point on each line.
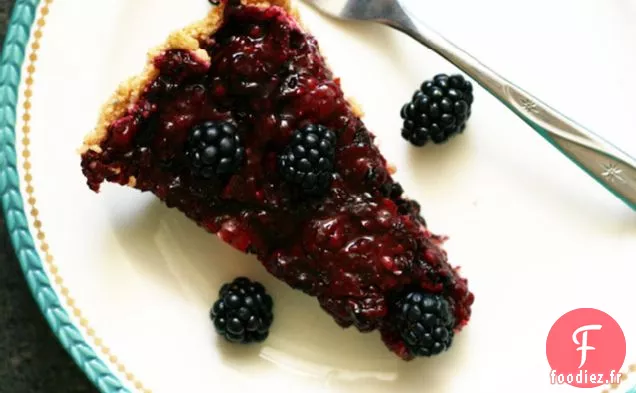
[357, 249]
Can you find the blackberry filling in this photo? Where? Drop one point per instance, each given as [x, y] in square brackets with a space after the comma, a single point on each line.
[357, 246]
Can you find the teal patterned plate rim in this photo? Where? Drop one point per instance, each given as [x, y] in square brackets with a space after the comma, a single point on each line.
[11, 62]
[75, 343]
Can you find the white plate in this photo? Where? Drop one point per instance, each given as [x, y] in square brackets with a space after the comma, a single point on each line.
[535, 236]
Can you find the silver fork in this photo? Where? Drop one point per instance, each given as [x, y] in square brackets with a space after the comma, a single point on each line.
[606, 163]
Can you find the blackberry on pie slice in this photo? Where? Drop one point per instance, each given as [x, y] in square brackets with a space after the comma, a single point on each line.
[238, 122]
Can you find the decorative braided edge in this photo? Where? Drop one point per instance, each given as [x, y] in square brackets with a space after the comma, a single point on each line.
[11, 60]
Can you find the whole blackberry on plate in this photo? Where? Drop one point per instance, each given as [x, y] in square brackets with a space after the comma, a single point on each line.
[438, 110]
[308, 160]
[425, 322]
[243, 312]
[214, 149]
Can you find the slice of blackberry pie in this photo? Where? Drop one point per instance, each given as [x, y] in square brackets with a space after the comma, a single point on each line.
[238, 122]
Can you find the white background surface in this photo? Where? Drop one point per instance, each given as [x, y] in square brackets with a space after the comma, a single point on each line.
[535, 236]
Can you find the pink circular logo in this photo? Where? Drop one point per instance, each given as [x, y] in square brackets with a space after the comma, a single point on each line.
[585, 348]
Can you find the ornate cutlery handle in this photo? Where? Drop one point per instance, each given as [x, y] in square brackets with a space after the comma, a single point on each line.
[610, 166]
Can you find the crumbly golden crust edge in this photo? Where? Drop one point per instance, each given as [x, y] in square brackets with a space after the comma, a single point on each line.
[187, 38]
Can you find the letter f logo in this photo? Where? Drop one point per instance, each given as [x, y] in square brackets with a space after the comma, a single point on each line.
[583, 344]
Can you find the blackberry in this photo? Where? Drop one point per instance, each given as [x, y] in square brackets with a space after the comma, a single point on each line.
[425, 323]
[392, 190]
[308, 160]
[214, 149]
[438, 110]
[243, 312]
